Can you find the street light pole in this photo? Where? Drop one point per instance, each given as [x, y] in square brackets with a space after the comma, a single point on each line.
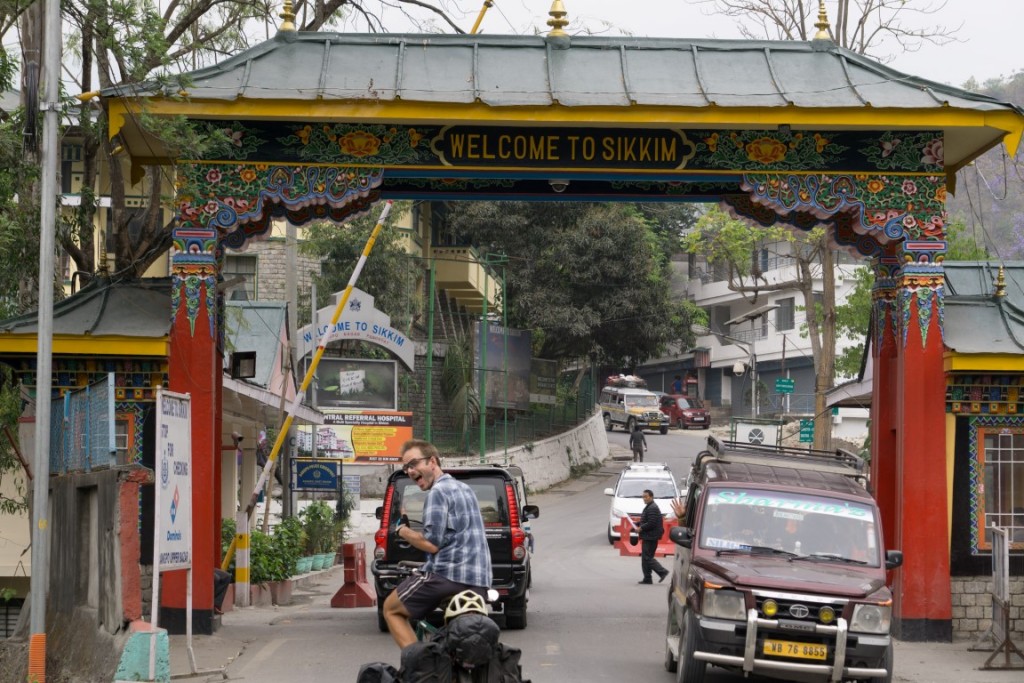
[753, 316]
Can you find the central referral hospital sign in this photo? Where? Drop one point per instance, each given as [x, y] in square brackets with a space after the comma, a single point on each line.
[361, 321]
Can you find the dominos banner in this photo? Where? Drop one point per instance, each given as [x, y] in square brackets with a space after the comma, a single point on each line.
[173, 499]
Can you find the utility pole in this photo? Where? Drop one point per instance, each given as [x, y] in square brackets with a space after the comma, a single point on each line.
[290, 284]
[50, 105]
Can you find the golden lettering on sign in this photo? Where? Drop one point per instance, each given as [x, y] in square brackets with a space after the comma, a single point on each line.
[630, 148]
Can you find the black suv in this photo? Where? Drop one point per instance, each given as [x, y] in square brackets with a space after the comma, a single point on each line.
[501, 493]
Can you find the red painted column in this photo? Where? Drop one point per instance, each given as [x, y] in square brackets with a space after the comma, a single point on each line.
[883, 402]
[922, 588]
[215, 459]
[194, 369]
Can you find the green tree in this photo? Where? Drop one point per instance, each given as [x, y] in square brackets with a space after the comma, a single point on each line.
[10, 411]
[583, 277]
[390, 274]
[961, 244]
[853, 317]
[126, 43]
[737, 248]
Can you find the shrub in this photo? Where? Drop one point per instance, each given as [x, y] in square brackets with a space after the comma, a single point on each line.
[320, 527]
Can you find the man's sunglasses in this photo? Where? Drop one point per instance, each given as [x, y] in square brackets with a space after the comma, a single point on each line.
[412, 463]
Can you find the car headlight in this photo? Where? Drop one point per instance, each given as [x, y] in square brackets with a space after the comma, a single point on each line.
[723, 604]
[618, 514]
[871, 618]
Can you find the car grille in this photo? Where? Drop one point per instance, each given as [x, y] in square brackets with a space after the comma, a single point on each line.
[800, 610]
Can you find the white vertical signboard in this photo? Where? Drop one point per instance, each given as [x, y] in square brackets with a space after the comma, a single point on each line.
[172, 521]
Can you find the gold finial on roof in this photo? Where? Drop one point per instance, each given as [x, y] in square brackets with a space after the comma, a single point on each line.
[288, 14]
[822, 23]
[557, 22]
[1000, 284]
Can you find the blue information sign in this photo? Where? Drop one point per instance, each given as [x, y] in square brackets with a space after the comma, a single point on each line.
[314, 474]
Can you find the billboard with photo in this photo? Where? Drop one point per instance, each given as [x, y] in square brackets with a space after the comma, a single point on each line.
[516, 369]
[543, 381]
[368, 437]
[354, 384]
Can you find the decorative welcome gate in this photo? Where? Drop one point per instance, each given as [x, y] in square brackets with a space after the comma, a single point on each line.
[319, 126]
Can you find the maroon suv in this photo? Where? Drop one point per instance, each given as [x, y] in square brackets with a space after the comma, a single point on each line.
[685, 412]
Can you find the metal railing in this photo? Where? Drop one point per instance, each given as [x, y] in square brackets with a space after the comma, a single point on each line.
[540, 422]
[82, 429]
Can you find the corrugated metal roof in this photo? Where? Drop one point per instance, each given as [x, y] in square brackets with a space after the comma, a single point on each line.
[505, 71]
[102, 308]
[970, 306]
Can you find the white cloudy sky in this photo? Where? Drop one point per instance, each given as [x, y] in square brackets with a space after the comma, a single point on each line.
[989, 44]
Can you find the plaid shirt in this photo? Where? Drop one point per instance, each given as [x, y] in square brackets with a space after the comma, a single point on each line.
[452, 522]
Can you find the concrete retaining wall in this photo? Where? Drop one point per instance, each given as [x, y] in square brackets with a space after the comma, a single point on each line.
[544, 463]
[553, 460]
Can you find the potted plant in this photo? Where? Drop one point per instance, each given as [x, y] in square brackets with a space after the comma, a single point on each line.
[321, 532]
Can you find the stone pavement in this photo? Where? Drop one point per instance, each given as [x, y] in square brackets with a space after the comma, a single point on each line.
[244, 625]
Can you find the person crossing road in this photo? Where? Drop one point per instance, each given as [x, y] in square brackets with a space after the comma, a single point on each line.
[637, 444]
[650, 530]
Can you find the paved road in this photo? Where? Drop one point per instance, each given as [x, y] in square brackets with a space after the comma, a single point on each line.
[588, 619]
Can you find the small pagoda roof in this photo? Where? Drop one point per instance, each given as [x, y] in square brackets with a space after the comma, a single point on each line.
[973, 302]
[124, 318]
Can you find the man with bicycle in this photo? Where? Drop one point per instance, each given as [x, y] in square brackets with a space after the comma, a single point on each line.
[453, 538]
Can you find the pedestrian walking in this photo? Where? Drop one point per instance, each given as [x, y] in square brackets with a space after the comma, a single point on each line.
[650, 531]
[637, 443]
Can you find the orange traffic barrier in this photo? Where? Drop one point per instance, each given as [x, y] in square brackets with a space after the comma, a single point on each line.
[666, 548]
[355, 592]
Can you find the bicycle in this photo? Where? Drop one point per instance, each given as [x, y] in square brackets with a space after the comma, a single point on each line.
[468, 637]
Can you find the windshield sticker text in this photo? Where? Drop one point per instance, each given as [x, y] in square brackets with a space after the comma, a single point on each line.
[761, 499]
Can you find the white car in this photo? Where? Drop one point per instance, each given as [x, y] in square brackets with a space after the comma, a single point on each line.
[627, 496]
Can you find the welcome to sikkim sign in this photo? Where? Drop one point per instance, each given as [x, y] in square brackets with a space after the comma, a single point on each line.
[361, 321]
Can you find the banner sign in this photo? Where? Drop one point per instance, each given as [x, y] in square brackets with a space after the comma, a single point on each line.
[173, 490]
[354, 384]
[368, 437]
[315, 474]
[590, 148]
[361, 321]
[644, 149]
[507, 379]
[543, 380]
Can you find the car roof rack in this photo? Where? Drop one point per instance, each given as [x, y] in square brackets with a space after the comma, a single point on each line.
[838, 461]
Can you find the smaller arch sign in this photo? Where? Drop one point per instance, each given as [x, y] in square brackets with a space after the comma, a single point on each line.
[361, 321]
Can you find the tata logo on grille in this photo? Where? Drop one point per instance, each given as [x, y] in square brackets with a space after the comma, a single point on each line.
[799, 611]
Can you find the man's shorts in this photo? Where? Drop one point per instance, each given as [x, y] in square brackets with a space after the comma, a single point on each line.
[422, 592]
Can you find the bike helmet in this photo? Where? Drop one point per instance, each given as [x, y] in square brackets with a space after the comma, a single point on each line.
[464, 603]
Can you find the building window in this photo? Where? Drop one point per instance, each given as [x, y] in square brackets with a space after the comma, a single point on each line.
[1001, 492]
[9, 610]
[719, 316]
[121, 429]
[785, 314]
[136, 220]
[237, 266]
[69, 156]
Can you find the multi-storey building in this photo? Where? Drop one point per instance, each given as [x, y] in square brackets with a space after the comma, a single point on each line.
[767, 335]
